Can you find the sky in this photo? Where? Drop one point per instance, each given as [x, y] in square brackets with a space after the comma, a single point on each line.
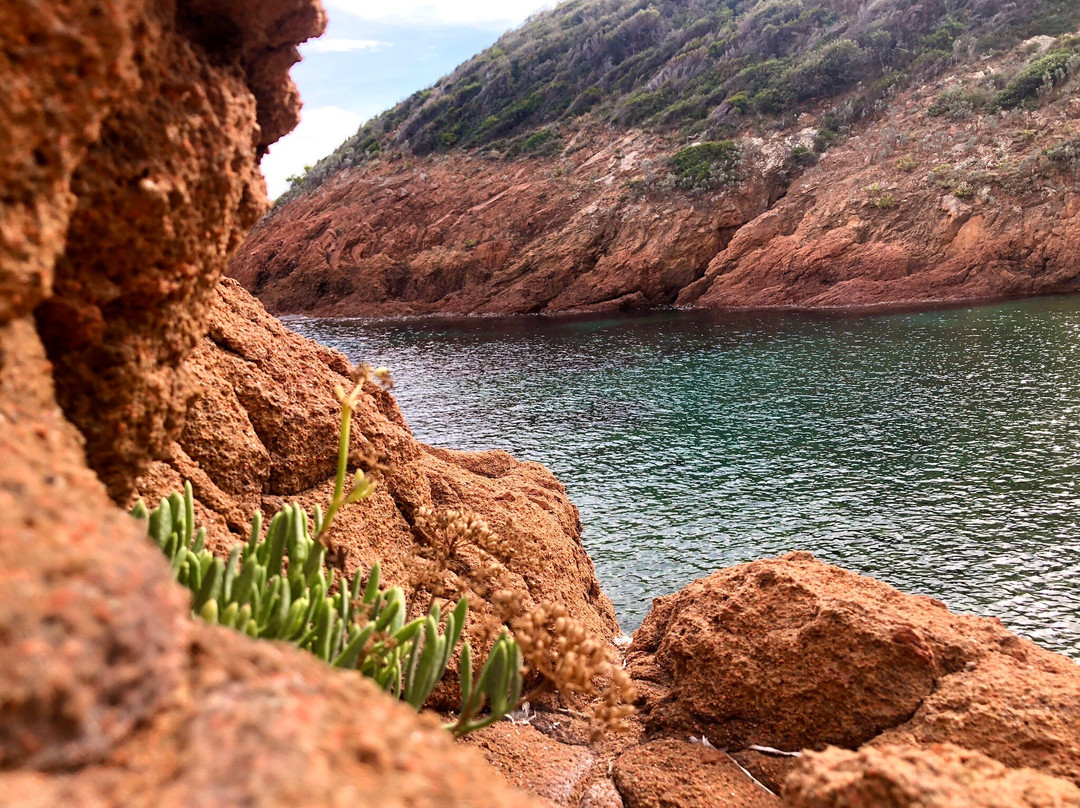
[375, 53]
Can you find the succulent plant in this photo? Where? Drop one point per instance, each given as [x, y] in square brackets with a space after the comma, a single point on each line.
[277, 586]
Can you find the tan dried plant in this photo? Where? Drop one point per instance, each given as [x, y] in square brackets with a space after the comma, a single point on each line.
[573, 661]
[440, 567]
[567, 657]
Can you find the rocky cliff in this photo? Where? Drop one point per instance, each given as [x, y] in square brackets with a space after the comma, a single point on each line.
[132, 132]
[950, 179]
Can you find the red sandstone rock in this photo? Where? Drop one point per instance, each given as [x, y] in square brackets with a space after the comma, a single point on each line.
[160, 196]
[792, 653]
[130, 157]
[940, 776]
[557, 772]
[676, 773]
[1022, 709]
[466, 235]
[113, 691]
[769, 769]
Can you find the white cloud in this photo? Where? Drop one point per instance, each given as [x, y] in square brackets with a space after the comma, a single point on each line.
[339, 45]
[321, 130]
[480, 13]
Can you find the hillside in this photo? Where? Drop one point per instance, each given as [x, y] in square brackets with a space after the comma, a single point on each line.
[705, 68]
[624, 154]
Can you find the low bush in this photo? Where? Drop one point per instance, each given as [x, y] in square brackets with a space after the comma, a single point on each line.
[1065, 155]
[705, 165]
[963, 190]
[1048, 71]
[801, 157]
[907, 163]
[956, 103]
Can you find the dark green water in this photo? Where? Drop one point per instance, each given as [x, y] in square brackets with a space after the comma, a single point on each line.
[937, 451]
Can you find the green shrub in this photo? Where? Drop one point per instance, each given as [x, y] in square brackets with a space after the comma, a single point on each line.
[801, 157]
[1051, 69]
[771, 100]
[740, 102]
[1066, 155]
[824, 71]
[823, 139]
[706, 165]
[956, 103]
[907, 163]
[946, 33]
[643, 105]
[538, 139]
[963, 190]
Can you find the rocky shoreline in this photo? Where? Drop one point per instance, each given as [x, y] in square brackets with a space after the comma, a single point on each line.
[127, 365]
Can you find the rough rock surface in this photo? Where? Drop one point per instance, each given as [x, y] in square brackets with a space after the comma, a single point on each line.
[264, 431]
[155, 196]
[910, 209]
[939, 776]
[131, 132]
[676, 773]
[557, 772]
[111, 696]
[792, 653]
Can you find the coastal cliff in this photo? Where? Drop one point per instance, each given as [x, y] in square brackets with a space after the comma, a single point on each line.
[128, 365]
[916, 159]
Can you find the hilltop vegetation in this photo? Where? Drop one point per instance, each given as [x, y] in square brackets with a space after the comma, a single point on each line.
[703, 69]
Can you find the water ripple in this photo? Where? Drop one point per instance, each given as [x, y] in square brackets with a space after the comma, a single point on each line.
[937, 451]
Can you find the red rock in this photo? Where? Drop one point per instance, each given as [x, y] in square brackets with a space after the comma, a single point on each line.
[602, 794]
[939, 776]
[1023, 710]
[129, 169]
[467, 239]
[792, 653]
[558, 773]
[667, 773]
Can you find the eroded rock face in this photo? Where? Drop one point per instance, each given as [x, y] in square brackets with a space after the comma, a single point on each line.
[468, 235]
[111, 695]
[159, 200]
[792, 653]
[939, 776]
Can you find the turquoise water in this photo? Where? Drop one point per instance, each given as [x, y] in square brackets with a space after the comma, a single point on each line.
[938, 451]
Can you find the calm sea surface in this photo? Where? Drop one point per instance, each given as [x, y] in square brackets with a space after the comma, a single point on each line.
[937, 451]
